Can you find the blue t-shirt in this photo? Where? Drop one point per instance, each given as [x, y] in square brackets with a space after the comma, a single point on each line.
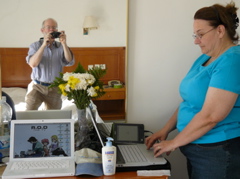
[223, 73]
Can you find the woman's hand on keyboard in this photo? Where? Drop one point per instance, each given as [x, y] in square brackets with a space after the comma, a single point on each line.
[165, 146]
[155, 138]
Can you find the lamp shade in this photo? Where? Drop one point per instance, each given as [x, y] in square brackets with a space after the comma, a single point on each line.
[90, 22]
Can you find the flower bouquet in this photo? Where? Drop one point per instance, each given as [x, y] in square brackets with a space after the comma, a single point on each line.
[81, 85]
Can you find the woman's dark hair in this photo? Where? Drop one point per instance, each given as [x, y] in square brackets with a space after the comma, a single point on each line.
[220, 15]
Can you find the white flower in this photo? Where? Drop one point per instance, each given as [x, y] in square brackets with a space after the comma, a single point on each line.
[67, 75]
[82, 85]
[92, 92]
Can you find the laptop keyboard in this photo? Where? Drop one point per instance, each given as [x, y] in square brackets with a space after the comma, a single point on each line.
[39, 165]
[131, 153]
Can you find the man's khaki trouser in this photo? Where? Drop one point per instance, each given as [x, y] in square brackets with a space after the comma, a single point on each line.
[37, 94]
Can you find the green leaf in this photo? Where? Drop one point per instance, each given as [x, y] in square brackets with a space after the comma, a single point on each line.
[79, 69]
[97, 72]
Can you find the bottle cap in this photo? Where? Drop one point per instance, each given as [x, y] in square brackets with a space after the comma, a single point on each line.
[109, 142]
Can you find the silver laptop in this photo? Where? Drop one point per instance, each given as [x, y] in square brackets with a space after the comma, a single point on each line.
[41, 148]
[44, 114]
[127, 153]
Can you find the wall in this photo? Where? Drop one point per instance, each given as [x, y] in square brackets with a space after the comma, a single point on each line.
[21, 21]
[161, 50]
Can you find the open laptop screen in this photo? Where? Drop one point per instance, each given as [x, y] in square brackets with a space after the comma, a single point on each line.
[42, 140]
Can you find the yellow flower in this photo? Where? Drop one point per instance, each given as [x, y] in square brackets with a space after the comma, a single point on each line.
[96, 87]
[62, 88]
[73, 82]
[95, 95]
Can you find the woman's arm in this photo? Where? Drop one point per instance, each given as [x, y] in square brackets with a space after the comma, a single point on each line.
[217, 106]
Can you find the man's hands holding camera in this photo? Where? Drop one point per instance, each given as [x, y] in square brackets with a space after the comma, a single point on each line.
[55, 34]
[50, 37]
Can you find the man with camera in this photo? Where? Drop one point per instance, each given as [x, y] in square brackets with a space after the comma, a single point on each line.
[47, 58]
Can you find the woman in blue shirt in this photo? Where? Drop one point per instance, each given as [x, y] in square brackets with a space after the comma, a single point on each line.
[208, 118]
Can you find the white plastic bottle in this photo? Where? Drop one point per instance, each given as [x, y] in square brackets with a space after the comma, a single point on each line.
[109, 158]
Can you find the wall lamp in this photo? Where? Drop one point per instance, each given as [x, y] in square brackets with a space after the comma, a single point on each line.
[89, 24]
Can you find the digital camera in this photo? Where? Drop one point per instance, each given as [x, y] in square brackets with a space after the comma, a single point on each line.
[55, 34]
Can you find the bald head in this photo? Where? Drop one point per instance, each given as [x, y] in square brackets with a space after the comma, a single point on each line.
[51, 20]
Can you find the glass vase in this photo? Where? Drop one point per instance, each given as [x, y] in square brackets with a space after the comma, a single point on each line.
[82, 136]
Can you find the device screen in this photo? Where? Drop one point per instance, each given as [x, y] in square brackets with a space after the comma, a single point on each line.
[127, 133]
[42, 140]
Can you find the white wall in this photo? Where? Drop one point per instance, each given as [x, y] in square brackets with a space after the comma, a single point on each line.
[161, 50]
[21, 21]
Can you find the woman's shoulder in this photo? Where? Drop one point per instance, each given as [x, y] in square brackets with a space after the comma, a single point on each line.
[232, 54]
[230, 58]
[234, 50]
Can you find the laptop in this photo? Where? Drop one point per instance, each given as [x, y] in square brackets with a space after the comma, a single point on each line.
[26, 147]
[146, 161]
[44, 114]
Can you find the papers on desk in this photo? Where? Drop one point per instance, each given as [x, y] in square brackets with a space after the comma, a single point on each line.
[153, 173]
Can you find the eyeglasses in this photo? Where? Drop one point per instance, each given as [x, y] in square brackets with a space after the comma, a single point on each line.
[50, 27]
[199, 36]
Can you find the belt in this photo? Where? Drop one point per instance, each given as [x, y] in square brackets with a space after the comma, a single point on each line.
[42, 83]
